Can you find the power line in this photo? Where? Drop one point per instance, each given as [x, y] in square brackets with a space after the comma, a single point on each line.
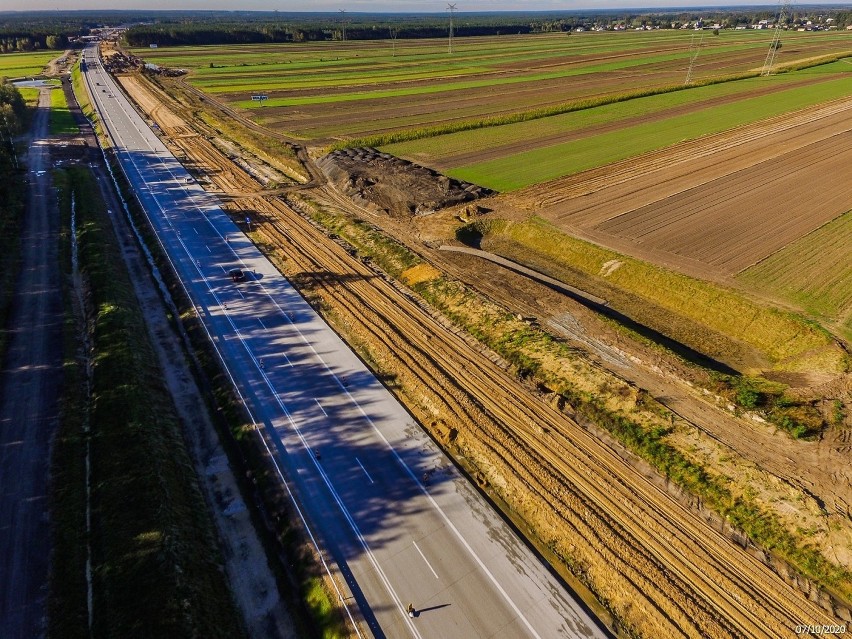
[694, 51]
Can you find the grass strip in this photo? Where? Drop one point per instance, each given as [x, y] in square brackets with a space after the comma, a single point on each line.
[781, 335]
[155, 561]
[12, 206]
[61, 120]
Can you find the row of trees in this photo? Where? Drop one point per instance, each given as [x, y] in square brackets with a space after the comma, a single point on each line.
[214, 28]
[12, 118]
[11, 44]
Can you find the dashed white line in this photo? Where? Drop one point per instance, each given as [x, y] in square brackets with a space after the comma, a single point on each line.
[365, 470]
[260, 321]
[424, 559]
[320, 407]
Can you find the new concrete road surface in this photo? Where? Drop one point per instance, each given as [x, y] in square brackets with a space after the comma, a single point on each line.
[30, 377]
[400, 522]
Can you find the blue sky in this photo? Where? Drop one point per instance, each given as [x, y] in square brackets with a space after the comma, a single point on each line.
[414, 6]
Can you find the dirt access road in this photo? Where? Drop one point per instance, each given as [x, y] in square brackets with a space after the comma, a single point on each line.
[659, 565]
[30, 385]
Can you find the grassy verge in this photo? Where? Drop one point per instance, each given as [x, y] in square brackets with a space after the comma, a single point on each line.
[61, 120]
[156, 570]
[785, 338]
[642, 429]
[82, 94]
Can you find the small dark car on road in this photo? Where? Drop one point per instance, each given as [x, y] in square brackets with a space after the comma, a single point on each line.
[237, 275]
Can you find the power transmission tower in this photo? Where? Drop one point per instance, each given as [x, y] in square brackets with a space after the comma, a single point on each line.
[452, 9]
[394, 32]
[693, 55]
[776, 38]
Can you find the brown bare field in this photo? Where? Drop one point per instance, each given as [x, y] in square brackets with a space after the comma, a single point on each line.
[655, 561]
[713, 206]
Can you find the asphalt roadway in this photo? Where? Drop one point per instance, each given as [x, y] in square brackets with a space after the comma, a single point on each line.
[30, 380]
[399, 521]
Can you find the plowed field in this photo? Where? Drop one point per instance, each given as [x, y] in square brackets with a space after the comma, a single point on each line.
[716, 205]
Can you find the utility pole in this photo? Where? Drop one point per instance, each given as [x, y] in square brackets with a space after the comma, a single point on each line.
[452, 9]
[394, 31]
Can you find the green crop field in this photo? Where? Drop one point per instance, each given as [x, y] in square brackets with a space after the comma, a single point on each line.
[19, 65]
[517, 170]
[814, 272]
[440, 150]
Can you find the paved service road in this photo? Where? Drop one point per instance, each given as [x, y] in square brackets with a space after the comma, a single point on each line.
[30, 380]
[399, 521]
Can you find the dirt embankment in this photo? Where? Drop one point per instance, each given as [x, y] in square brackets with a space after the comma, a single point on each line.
[390, 185]
[655, 562]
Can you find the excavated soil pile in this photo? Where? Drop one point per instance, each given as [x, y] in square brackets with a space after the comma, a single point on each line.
[390, 185]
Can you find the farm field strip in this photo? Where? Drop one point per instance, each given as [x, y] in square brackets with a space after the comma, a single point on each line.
[458, 149]
[814, 272]
[493, 77]
[503, 73]
[559, 160]
[711, 151]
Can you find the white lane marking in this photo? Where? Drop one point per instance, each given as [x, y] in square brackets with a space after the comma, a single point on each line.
[424, 559]
[365, 470]
[320, 405]
[208, 248]
[196, 231]
[260, 321]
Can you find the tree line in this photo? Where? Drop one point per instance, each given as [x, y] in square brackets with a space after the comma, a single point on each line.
[12, 120]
